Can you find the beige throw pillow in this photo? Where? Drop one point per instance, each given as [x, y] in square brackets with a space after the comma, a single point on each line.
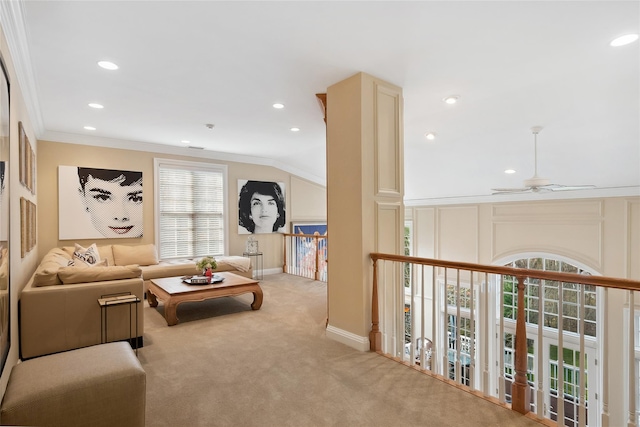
[136, 254]
[71, 275]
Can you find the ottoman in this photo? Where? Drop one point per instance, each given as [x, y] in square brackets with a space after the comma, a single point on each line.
[101, 385]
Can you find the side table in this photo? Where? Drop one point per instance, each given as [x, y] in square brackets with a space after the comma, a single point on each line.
[256, 258]
[106, 301]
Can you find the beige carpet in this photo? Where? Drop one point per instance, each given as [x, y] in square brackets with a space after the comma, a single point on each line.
[226, 365]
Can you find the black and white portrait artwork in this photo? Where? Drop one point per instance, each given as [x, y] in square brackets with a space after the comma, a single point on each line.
[99, 203]
[261, 207]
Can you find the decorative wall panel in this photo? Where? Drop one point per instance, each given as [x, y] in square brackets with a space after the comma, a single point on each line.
[573, 230]
[388, 142]
[458, 233]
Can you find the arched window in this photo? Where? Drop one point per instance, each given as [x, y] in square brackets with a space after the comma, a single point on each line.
[548, 291]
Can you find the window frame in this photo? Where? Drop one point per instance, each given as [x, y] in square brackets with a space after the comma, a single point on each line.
[190, 165]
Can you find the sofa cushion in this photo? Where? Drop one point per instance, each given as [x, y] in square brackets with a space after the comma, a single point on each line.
[236, 262]
[47, 272]
[138, 254]
[106, 253]
[71, 275]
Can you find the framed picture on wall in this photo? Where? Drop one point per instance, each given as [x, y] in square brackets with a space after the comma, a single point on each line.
[27, 160]
[261, 207]
[27, 226]
[99, 203]
[22, 149]
[318, 228]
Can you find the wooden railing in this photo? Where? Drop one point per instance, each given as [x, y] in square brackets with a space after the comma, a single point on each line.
[306, 255]
[435, 291]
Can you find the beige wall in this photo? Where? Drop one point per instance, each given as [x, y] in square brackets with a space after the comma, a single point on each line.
[602, 235]
[309, 197]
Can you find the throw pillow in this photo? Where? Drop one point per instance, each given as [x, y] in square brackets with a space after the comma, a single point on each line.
[88, 256]
[136, 254]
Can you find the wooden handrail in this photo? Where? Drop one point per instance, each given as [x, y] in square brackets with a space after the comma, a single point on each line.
[520, 388]
[607, 282]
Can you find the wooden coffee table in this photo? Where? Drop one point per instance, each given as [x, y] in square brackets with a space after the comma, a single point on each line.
[173, 291]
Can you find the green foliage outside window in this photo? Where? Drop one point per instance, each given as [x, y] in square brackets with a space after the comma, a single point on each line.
[550, 291]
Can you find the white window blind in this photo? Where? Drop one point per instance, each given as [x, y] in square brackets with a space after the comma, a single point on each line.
[191, 210]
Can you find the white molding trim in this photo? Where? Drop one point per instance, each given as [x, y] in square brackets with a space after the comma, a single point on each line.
[97, 141]
[268, 271]
[596, 193]
[12, 19]
[348, 338]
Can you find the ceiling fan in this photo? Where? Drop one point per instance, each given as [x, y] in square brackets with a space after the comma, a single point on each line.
[537, 184]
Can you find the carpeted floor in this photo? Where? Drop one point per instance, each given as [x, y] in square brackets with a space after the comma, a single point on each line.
[226, 365]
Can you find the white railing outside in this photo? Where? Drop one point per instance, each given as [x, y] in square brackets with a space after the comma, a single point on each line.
[306, 255]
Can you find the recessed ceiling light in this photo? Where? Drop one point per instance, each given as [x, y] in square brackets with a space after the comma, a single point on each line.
[89, 128]
[278, 105]
[107, 65]
[184, 141]
[451, 99]
[430, 136]
[94, 105]
[209, 126]
[510, 171]
[624, 40]
[294, 129]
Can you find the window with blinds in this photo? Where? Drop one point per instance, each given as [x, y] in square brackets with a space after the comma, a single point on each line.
[190, 209]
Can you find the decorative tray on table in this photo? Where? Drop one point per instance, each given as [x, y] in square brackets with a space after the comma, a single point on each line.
[202, 280]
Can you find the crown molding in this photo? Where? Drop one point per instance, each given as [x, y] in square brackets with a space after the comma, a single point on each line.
[12, 20]
[97, 141]
[595, 193]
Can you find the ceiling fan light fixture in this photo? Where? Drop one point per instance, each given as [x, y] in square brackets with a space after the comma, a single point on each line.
[536, 182]
[623, 40]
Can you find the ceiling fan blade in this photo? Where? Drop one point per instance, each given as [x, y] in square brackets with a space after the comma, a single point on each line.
[558, 187]
[538, 184]
[510, 190]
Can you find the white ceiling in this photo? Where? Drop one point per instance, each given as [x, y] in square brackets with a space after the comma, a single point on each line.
[514, 65]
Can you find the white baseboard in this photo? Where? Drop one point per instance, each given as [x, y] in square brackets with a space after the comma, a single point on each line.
[272, 271]
[348, 338]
